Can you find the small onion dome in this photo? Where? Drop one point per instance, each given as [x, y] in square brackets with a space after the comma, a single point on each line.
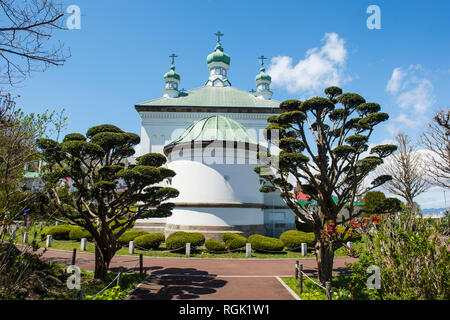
[218, 56]
[263, 75]
[172, 74]
[213, 128]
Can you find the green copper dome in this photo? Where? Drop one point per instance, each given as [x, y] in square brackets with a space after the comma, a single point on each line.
[214, 128]
[218, 56]
[172, 74]
[263, 76]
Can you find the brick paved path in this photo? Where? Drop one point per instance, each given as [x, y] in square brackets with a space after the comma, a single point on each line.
[209, 279]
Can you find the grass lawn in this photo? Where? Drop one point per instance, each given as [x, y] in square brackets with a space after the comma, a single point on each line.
[200, 252]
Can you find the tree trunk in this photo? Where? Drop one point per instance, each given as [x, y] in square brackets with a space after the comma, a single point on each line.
[325, 259]
[102, 259]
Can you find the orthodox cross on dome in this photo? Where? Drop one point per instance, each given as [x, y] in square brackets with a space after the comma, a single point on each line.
[218, 34]
[173, 56]
[262, 58]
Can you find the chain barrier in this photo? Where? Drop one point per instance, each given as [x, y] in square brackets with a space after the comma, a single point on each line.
[314, 281]
[92, 297]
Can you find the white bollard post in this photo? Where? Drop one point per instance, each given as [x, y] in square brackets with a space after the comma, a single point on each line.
[49, 241]
[40, 224]
[56, 223]
[248, 250]
[349, 244]
[188, 250]
[25, 237]
[83, 244]
[304, 249]
[131, 247]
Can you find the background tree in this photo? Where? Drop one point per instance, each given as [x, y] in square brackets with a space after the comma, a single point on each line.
[406, 166]
[95, 165]
[375, 202]
[322, 148]
[437, 141]
[26, 29]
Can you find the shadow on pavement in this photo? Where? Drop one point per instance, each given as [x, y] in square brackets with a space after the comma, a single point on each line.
[177, 283]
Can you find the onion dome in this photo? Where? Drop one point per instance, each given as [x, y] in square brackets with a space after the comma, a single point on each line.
[263, 75]
[218, 56]
[172, 74]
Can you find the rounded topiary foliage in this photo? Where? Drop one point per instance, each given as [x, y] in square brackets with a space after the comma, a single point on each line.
[128, 236]
[293, 239]
[77, 233]
[178, 240]
[148, 240]
[233, 241]
[215, 245]
[264, 243]
[59, 232]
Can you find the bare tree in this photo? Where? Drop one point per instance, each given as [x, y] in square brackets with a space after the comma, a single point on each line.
[406, 167]
[26, 28]
[437, 141]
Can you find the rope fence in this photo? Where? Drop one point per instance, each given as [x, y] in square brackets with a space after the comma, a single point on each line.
[299, 273]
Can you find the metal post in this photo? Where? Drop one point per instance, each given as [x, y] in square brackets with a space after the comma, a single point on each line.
[49, 241]
[304, 249]
[296, 269]
[131, 247]
[248, 250]
[328, 289]
[74, 256]
[141, 263]
[83, 244]
[300, 281]
[188, 250]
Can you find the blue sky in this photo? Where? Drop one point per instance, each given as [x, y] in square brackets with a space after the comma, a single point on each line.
[121, 53]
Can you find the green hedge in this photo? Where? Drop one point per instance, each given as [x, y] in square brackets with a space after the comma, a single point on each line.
[59, 232]
[149, 240]
[128, 236]
[233, 241]
[215, 245]
[78, 233]
[178, 240]
[264, 243]
[293, 239]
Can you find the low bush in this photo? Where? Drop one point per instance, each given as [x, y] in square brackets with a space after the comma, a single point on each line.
[178, 240]
[78, 233]
[233, 241]
[148, 240]
[215, 245]
[264, 243]
[59, 232]
[293, 239]
[128, 236]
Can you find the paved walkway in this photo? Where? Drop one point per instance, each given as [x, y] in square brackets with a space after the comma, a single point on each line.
[204, 279]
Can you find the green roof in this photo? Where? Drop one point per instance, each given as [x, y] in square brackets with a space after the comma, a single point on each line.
[263, 76]
[209, 96]
[31, 175]
[215, 128]
[304, 203]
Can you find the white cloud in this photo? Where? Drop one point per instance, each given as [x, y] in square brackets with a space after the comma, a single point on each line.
[395, 81]
[321, 67]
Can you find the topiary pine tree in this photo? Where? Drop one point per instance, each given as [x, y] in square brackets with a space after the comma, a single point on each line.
[373, 202]
[95, 165]
[322, 148]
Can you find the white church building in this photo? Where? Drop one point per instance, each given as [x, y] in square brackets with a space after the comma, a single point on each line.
[210, 136]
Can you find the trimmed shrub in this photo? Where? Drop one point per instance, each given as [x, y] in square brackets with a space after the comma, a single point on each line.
[215, 245]
[59, 232]
[128, 236]
[178, 240]
[78, 233]
[148, 240]
[293, 239]
[264, 243]
[303, 226]
[233, 241]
